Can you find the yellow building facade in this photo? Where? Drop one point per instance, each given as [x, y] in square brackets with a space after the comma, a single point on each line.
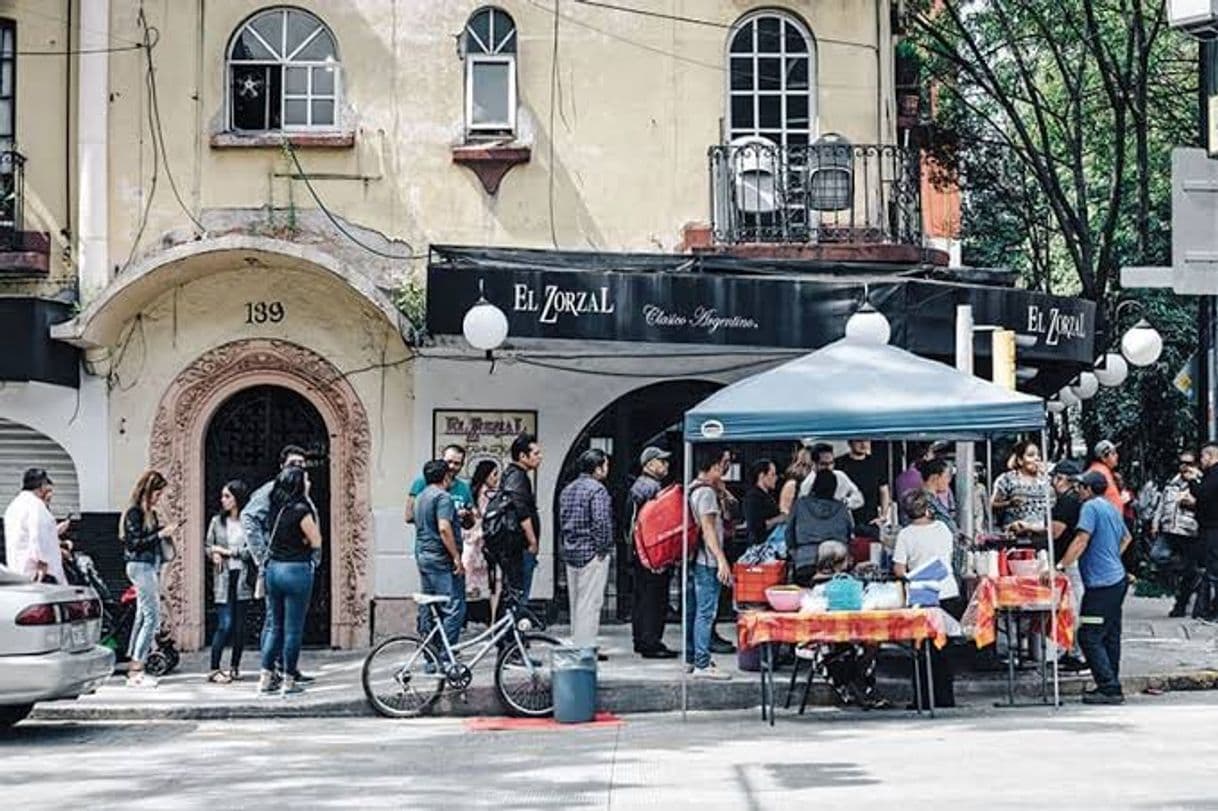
[223, 205]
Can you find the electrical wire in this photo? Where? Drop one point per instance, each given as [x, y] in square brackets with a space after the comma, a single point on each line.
[151, 38]
[152, 186]
[84, 52]
[678, 18]
[287, 146]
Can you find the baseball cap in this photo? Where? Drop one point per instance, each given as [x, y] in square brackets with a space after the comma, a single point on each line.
[1068, 468]
[34, 478]
[1104, 447]
[1093, 479]
[651, 453]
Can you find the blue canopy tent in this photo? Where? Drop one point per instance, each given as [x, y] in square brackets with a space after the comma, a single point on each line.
[857, 389]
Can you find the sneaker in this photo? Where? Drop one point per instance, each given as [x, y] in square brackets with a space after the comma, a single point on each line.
[266, 683]
[141, 679]
[711, 673]
[1096, 697]
[291, 687]
[301, 678]
[1177, 612]
[219, 677]
[720, 645]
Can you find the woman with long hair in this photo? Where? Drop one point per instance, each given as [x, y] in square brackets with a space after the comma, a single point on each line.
[144, 551]
[1022, 494]
[289, 577]
[800, 468]
[233, 574]
[478, 575]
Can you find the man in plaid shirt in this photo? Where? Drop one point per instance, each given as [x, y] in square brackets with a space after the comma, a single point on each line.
[585, 513]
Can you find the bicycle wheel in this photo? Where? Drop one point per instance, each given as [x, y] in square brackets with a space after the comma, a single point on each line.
[402, 678]
[523, 683]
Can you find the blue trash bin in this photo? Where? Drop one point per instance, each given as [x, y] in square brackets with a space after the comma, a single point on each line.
[573, 680]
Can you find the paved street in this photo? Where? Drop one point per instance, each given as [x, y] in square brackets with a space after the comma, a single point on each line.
[1152, 753]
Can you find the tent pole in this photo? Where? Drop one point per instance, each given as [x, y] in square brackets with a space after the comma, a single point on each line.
[989, 485]
[1044, 448]
[685, 481]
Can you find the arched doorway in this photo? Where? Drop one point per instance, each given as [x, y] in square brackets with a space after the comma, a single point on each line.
[177, 446]
[648, 415]
[243, 441]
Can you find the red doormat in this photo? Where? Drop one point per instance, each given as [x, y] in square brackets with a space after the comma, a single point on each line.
[505, 724]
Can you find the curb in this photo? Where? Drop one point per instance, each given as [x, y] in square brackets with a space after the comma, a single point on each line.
[616, 697]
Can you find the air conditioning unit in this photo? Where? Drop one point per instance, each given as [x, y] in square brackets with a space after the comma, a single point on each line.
[1196, 17]
[754, 165]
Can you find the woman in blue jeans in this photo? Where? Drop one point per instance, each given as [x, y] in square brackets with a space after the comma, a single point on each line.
[144, 541]
[289, 577]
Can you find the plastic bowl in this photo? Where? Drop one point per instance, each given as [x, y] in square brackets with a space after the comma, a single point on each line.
[784, 598]
[1024, 568]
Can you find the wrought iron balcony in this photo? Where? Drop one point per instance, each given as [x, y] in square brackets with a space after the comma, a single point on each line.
[829, 192]
[12, 190]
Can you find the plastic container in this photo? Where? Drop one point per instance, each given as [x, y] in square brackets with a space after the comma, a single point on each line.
[748, 660]
[784, 598]
[573, 680]
[750, 581]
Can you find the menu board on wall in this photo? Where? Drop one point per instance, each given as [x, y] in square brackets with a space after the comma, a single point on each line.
[485, 434]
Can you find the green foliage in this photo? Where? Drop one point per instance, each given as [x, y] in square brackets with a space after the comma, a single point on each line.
[411, 301]
[1057, 120]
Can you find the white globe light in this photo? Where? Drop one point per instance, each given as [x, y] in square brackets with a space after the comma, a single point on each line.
[1055, 406]
[1067, 397]
[1115, 370]
[1086, 387]
[1142, 344]
[868, 325]
[485, 326]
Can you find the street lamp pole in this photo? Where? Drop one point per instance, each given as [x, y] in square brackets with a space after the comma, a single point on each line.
[1207, 310]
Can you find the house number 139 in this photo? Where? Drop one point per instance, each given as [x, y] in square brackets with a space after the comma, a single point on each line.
[260, 312]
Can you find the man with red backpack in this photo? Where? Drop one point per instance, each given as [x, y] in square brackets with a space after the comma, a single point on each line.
[709, 568]
[650, 608]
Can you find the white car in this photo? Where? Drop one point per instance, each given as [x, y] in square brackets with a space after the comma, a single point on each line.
[48, 644]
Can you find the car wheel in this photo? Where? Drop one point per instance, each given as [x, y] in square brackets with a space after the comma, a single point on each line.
[13, 713]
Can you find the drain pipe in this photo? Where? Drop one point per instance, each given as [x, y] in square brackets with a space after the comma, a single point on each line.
[92, 247]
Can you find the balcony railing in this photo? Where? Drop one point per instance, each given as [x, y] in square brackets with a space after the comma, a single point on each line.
[827, 192]
[12, 191]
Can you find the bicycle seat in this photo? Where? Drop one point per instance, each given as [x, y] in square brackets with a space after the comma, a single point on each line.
[429, 599]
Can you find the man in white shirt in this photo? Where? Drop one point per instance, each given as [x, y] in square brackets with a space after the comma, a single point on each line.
[31, 538]
[847, 491]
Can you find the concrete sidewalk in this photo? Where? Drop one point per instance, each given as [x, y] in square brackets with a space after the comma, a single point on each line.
[1157, 651]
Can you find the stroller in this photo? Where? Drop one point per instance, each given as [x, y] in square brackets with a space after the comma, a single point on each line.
[119, 617]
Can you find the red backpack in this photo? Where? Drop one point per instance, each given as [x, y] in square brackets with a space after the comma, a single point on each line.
[657, 529]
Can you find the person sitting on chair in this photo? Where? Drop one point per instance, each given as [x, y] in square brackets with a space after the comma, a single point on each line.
[849, 666]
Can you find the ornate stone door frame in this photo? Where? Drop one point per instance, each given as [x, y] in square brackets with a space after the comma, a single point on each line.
[176, 448]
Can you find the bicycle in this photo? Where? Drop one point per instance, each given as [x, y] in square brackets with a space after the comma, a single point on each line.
[404, 676]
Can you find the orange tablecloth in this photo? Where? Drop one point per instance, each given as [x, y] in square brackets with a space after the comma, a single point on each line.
[1028, 593]
[904, 625]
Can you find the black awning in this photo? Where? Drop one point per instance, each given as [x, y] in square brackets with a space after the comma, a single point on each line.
[30, 353]
[654, 298]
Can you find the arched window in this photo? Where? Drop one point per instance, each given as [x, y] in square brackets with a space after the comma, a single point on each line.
[283, 73]
[490, 72]
[771, 80]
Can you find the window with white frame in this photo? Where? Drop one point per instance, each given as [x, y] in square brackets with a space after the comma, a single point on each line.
[283, 73]
[490, 72]
[771, 80]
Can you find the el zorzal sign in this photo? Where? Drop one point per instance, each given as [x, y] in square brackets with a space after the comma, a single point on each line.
[781, 312]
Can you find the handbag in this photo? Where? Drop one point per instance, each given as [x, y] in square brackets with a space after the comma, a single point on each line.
[844, 593]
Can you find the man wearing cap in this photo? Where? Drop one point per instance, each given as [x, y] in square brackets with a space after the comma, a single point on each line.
[1204, 489]
[1066, 510]
[1106, 461]
[1098, 542]
[650, 605]
[31, 537]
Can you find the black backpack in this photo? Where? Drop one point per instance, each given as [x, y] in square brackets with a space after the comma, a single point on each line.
[500, 526]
